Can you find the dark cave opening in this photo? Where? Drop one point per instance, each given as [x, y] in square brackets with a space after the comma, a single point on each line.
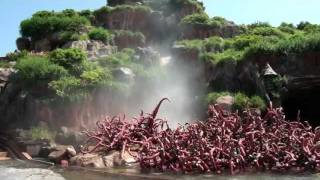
[307, 101]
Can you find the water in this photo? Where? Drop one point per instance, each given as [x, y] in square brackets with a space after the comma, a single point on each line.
[20, 170]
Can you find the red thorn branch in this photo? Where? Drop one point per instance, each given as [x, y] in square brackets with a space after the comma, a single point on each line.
[225, 141]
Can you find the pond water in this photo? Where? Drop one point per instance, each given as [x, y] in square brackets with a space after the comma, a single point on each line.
[21, 170]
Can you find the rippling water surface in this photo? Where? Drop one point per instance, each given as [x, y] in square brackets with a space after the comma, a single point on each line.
[20, 170]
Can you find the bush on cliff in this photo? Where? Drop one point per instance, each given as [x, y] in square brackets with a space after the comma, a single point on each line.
[100, 34]
[241, 100]
[71, 59]
[33, 70]
[45, 23]
[202, 19]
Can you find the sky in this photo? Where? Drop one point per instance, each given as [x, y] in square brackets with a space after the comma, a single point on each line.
[12, 12]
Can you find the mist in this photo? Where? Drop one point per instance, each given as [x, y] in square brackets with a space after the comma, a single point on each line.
[177, 83]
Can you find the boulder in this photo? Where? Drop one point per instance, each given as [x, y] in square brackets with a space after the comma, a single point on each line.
[23, 43]
[71, 151]
[57, 156]
[114, 159]
[148, 56]
[124, 74]
[61, 152]
[4, 76]
[88, 160]
[94, 49]
[42, 45]
[225, 102]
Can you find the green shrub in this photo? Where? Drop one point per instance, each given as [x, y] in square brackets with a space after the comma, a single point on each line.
[68, 88]
[68, 13]
[175, 5]
[243, 41]
[259, 25]
[121, 58]
[67, 36]
[196, 19]
[14, 56]
[241, 101]
[96, 77]
[100, 34]
[136, 8]
[267, 31]
[215, 44]
[229, 55]
[33, 69]
[4, 64]
[71, 59]
[257, 102]
[195, 44]
[43, 24]
[87, 14]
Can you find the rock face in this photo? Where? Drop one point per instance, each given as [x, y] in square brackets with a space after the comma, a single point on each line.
[225, 102]
[4, 76]
[88, 160]
[148, 56]
[61, 153]
[42, 45]
[94, 49]
[124, 74]
[112, 159]
[23, 44]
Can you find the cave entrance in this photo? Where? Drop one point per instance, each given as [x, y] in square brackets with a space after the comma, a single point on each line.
[303, 94]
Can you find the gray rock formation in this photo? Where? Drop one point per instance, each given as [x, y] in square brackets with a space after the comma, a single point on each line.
[42, 45]
[62, 153]
[4, 76]
[88, 160]
[225, 102]
[148, 56]
[94, 49]
[124, 74]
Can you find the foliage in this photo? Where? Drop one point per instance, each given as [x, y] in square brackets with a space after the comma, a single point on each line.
[87, 14]
[4, 64]
[100, 34]
[34, 69]
[96, 77]
[68, 88]
[259, 25]
[241, 101]
[197, 19]
[214, 44]
[121, 58]
[267, 31]
[44, 23]
[203, 19]
[229, 55]
[136, 8]
[257, 102]
[71, 59]
[14, 56]
[175, 5]
[66, 36]
[195, 44]
[120, 8]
